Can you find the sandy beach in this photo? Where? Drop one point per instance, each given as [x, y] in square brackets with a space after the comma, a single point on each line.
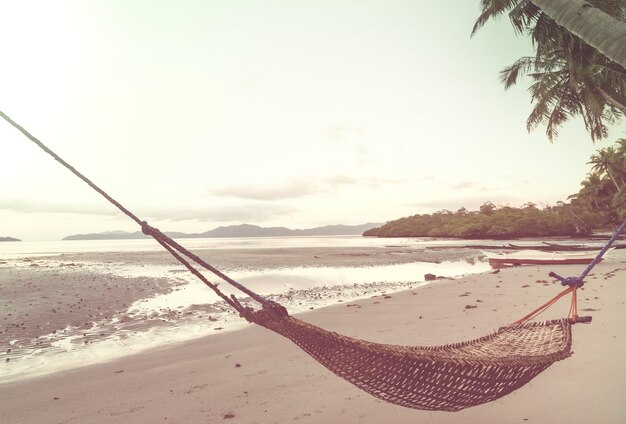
[255, 376]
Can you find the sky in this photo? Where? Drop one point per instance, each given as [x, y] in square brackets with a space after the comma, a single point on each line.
[196, 114]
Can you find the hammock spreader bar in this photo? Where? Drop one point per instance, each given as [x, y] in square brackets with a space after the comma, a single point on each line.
[443, 378]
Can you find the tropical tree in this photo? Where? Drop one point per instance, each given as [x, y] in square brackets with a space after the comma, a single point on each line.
[569, 77]
[604, 189]
[620, 152]
[596, 192]
[599, 29]
[607, 161]
[619, 204]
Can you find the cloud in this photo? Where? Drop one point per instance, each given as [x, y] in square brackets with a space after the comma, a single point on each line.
[340, 133]
[252, 212]
[25, 206]
[469, 202]
[340, 180]
[343, 133]
[463, 185]
[296, 188]
[292, 189]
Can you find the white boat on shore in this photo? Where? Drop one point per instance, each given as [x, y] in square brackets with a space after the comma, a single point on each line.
[539, 257]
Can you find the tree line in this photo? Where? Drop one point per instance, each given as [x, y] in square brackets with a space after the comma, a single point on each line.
[600, 203]
[494, 222]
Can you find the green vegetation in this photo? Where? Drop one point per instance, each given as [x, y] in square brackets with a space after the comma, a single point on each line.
[604, 189]
[568, 77]
[492, 222]
[600, 203]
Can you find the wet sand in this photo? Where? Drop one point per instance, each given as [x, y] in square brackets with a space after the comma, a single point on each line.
[271, 258]
[78, 298]
[256, 376]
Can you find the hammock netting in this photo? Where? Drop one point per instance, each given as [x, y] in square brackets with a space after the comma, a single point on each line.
[440, 378]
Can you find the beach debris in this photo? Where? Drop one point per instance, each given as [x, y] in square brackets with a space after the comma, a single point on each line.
[471, 306]
[237, 365]
[465, 294]
[228, 415]
[525, 285]
[430, 277]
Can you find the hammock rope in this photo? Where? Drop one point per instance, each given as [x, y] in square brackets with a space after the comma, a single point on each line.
[574, 283]
[442, 378]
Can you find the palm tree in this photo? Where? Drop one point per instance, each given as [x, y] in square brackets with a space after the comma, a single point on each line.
[597, 28]
[620, 152]
[561, 89]
[619, 203]
[596, 192]
[605, 161]
[569, 77]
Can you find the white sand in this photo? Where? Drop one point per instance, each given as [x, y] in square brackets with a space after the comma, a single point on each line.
[256, 376]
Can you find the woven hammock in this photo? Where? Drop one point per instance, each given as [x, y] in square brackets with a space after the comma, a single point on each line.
[439, 378]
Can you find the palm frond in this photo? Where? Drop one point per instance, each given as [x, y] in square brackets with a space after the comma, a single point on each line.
[492, 9]
[509, 75]
[522, 15]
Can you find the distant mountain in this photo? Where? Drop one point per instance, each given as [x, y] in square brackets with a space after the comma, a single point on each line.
[108, 235]
[242, 230]
[9, 239]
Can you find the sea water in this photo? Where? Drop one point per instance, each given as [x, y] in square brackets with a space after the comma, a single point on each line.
[180, 315]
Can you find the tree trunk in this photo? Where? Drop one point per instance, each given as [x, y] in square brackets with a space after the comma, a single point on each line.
[613, 98]
[608, 171]
[600, 30]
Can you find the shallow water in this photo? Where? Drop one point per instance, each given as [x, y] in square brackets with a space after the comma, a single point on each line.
[192, 310]
[10, 250]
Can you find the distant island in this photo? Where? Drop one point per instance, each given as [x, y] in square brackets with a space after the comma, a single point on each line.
[9, 239]
[242, 230]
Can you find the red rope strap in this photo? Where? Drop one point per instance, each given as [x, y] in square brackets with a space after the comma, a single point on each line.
[573, 310]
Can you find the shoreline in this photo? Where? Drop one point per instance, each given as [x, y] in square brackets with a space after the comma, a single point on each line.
[64, 309]
[254, 375]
